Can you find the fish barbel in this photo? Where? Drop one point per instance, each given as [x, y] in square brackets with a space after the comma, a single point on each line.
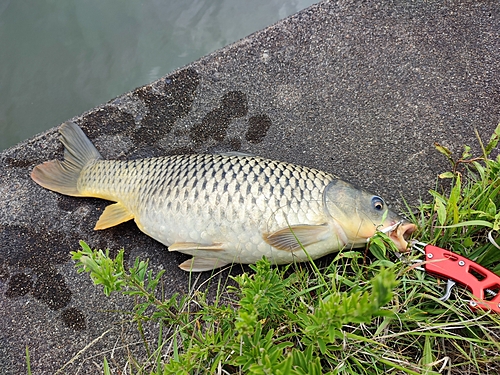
[223, 208]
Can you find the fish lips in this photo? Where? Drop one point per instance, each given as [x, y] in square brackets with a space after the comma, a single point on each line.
[401, 234]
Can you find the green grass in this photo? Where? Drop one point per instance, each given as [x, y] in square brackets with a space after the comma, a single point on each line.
[359, 314]
[28, 361]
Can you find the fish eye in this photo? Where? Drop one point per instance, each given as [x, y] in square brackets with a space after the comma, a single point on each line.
[378, 203]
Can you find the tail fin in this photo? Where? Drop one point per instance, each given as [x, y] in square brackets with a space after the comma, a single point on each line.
[63, 176]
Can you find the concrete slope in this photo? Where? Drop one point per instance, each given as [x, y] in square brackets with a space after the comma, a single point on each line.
[360, 89]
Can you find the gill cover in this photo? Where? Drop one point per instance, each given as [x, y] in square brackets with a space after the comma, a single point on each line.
[356, 211]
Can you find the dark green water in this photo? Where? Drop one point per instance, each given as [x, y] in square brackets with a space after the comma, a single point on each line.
[59, 58]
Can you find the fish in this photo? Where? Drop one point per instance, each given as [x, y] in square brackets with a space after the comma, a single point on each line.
[223, 208]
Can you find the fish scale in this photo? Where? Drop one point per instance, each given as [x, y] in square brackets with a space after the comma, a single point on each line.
[221, 208]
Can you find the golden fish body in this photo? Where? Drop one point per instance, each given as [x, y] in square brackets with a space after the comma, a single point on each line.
[222, 208]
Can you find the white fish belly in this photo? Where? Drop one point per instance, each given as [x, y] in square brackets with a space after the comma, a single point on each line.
[239, 230]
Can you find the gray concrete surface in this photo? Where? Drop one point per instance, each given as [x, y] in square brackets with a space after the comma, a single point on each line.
[360, 89]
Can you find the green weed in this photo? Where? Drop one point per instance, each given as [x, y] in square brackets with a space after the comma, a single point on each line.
[467, 218]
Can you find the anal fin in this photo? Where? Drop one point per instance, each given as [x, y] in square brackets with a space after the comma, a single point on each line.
[200, 264]
[295, 237]
[113, 214]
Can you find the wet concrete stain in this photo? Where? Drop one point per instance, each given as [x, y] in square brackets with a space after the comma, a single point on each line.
[19, 285]
[18, 163]
[110, 120]
[166, 103]
[124, 233]
[73, 318]
[184, 150]
[88, 211]
[257, 128]
[70, 204]
[51, 289]
[215, 123]
[24, 248]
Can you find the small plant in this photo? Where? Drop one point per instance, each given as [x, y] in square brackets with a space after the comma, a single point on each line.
[358, 315]
[272, 326]
[467, 219]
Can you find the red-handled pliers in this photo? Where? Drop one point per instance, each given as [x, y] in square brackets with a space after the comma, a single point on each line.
[481, 282]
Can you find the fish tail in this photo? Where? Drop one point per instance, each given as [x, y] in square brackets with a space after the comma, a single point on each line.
[62, 177]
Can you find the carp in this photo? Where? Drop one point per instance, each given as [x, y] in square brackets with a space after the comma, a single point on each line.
[223, 208]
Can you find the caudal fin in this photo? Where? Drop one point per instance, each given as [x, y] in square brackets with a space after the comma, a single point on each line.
[62, 176]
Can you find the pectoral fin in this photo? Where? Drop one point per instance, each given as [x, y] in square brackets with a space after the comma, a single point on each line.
[113, 214]
[295, 237]
[184, 247]
[200, 264]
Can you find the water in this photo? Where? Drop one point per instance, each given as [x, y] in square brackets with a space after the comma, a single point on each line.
[59, 58]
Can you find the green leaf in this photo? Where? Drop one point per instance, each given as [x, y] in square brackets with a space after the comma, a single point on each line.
[442, 149]
[28, 361]
[452, 205]
[446, 175]
[496, 223]
[322, 345]
[428, 359]
[481, 223]
[441, 211]
[377, 248]
[493, 142]
[106, 368]
[466, 154]
[491, 209]
[468, 242]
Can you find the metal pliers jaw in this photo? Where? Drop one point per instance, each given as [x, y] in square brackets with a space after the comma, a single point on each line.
[456, 269]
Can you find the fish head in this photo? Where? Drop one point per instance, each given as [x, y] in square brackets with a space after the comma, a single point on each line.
[358, 215]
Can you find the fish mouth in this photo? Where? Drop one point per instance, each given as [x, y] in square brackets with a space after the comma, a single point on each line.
[400, 232]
